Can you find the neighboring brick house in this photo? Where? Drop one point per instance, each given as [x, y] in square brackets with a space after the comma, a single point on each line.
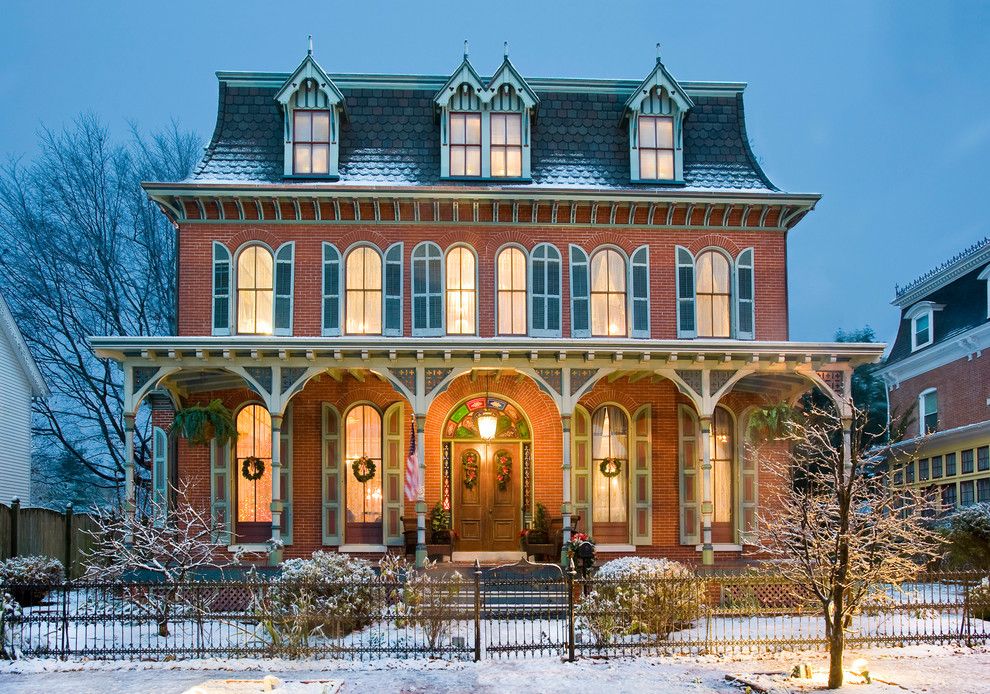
[938, 372]
[20, 383]
[573, 291]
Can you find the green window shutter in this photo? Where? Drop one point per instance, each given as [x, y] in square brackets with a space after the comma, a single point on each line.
[331, 290]
[393, 290]
[544, 292]
[641, 477]
[581, 467]
[159, 473]
[690, 520]
[285, 478]
[427, 290]
[332, 483]
[221, 289]
[220, 493]
[580, 300]
[686, 326]
[641, 292]
[745, 319]
[392, 462]
[748, 481]
[283, 288]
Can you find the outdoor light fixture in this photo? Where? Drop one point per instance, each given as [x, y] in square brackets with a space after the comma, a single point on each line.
[487, 420]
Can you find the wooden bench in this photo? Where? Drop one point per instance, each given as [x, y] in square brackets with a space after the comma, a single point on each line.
[434, 551]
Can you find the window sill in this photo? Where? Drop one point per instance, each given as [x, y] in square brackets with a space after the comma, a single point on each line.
[728, 547]
[252, 548]
[489, 179]
[614, 549]
[310, 177]
[362, 549]
[657, 182]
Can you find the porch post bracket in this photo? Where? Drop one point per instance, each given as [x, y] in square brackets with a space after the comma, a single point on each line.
[275, 551]
[421, 555]
[707, 550]
[565, 507]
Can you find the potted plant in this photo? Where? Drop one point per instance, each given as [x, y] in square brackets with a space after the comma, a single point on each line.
[539, 533]
[440, 532]
[201, 424]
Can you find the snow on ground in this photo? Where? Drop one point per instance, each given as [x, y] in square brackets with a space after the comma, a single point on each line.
[911, 669]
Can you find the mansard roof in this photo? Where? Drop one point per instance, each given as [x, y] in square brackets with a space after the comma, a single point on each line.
[392, 137]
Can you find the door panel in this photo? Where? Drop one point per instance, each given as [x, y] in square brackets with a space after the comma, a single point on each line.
[487, 516]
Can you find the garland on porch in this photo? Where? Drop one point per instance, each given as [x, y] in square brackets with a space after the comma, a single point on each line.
[252, 468]
[610, 467]
[469, 468]
[503, 469]
[201, 424]
[363, 469]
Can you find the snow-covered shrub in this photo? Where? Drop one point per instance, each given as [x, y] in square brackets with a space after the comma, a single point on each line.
[9, 610]
[430, 603]
[968, 537]
[979, 600]
[649, 596]
[30, 578]
[331, 593]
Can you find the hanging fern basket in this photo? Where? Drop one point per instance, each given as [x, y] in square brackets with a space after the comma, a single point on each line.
[201, 424]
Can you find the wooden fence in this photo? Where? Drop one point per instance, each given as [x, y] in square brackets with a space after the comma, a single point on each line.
[62, 535]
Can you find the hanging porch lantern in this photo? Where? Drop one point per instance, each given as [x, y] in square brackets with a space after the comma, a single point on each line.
[487, 420]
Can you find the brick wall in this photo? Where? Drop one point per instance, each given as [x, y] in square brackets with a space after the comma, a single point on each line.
[963, 388]
[195, 280]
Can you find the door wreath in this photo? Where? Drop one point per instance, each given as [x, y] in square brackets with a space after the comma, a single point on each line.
[469, 468]
[503, 469]
[252, 468]
[363, 469]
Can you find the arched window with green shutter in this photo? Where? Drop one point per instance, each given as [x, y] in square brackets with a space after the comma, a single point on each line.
[640, 263]
[393, 290]
[545, 291]
[580, 299]
[331, 290]
[686, 324]
[427, 290]
[221, 289]
[284, 259]
[745, 314]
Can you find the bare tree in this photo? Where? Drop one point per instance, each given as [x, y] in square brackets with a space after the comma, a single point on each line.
[84, 252]
[834, 523]
[171, 542]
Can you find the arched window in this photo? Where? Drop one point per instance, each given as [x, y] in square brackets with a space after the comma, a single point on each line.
[511, 292]
[363, 277]
[363, 443]
[427, 288]
[608, 294]
[461, 292]
[713, 295]
[722, 447]
[255, 271]
[610, 474]
[254, 454]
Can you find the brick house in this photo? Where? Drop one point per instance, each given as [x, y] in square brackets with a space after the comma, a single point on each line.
[568, 292]
[937, 370]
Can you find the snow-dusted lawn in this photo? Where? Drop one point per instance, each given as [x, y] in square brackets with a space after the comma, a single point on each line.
[913, 669]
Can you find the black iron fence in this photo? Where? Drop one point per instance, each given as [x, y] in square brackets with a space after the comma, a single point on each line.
[474, 615]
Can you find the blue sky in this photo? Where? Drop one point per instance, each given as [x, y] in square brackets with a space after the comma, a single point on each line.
[882, 107]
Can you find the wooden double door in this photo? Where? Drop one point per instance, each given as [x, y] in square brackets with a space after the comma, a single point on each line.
[487, 515]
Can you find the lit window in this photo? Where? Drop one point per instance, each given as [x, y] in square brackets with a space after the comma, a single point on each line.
[254, 291]
[506, 144]
[254, 497]
[656, 148]
[722, 446]
[465, 144]
[610, 440]
[363, 440]
[311, 142]
[511, 292]
[608, 294]
[713, 295]
[364, 292]
[928, 406]
[461, 292]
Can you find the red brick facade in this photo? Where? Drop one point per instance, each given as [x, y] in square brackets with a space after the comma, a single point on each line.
[963, 390]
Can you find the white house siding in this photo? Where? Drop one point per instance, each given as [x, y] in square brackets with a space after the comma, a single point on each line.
[15, 426]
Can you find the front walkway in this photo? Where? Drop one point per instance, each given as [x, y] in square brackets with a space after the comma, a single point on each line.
[912, 669]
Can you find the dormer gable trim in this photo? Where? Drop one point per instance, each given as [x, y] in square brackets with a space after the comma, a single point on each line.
[464, 74]
[507, 75]
[310, 69]
[921, 308]
[662, 79]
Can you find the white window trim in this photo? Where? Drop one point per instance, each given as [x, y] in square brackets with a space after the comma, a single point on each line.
[428, 332]
[477, 289]
[547, 296]
[921, 409]
[920, 310]
[527, 279]
[343, 289]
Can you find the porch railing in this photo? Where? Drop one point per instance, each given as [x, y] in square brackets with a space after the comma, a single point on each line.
[474, 616]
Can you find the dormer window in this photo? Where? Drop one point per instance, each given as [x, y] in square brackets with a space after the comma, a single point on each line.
[313, 108]
[485, 129]
[922, 317]
[656, 113]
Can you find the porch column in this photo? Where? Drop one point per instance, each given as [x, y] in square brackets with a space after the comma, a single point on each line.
[421, 492]
[847, 447]
[275, 553]
[130, 498]
[565, 486]
[707, 506]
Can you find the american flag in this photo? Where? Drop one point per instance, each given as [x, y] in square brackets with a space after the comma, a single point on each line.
[412, 467]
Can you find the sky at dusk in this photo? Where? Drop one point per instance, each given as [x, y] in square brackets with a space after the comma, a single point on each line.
[882, 107]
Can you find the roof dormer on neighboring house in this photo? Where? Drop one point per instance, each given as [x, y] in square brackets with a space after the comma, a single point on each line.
[485, 129]
[312, 108]
[656, 113]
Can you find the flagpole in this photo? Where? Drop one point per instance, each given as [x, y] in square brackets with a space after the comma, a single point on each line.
[421, 492]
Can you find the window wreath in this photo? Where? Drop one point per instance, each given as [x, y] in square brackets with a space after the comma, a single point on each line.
[363, 469]
[503, 468]
[610, 467]
[469, 468]
[252, 468]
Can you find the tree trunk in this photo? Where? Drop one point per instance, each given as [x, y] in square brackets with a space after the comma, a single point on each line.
[836, 644]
